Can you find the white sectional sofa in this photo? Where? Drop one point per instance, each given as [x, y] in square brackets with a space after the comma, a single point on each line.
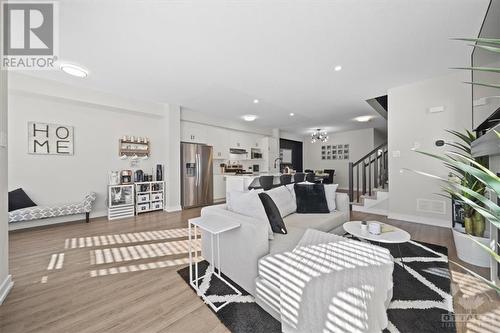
[241, 248]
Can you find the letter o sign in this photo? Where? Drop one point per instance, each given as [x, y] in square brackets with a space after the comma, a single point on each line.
[62, 132]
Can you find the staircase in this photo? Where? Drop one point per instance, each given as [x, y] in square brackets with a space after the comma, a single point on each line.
[368, 182]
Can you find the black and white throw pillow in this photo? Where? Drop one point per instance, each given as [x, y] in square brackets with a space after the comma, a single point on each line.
[273, 214]
[311, 199]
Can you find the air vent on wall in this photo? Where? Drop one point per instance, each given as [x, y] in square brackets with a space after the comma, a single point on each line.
[431, 206]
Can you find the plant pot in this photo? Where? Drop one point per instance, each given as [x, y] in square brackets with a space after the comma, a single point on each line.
[478, 225]
[469, 251]
[469, 229]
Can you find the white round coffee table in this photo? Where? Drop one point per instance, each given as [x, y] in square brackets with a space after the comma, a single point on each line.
[396, 236]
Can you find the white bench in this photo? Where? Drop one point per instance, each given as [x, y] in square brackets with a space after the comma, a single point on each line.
[41, 212]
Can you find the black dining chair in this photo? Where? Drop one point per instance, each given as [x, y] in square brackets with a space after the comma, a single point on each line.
[310, 177]
[299, 177]
[331, 174]
[266, 182]
[285, 179]
[308, 171]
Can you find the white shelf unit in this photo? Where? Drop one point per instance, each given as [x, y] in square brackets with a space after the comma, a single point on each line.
[121, 201]
[149, 196]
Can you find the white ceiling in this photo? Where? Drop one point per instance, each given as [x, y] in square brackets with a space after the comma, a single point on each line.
[216, 57]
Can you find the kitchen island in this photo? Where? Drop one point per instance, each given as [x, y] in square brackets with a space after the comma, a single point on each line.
[241, 182]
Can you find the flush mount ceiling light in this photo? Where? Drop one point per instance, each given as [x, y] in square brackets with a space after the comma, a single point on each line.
[363, 119]
[249, 117]
[255, 101]
[319, 135]
[292, 114]
[74, 70]
[337, 68]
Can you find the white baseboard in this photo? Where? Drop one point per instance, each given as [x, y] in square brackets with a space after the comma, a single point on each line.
[172, 209]
[5, 287]
[420, 219]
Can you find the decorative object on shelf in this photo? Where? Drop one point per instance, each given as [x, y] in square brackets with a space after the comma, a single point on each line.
[126, 176]
[138, 176]
[114, 178]
[149, 195]
[159, 172]
[120, 201]
[134, 148]
[49, 139]
[319, 136]
[335, 152]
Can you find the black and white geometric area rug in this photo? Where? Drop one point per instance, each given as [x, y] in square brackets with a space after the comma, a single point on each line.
[421, 300]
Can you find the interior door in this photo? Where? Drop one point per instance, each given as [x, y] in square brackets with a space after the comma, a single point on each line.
[206, 187]
[189, 174]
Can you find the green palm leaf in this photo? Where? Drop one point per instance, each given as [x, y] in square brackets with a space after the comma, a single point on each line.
[482, 69]
[488, 48]
[484, 84]
[480, 40]
[495, 255]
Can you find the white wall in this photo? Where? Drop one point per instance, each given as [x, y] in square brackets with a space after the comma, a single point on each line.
[5, 278]
[410, 124]
[360, 143]
[99, 120]
[379, 137]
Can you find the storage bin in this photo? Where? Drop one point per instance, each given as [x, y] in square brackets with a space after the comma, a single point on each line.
[143, 207]
[143, 198]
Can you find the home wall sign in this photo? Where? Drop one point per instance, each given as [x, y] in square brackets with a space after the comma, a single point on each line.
[50, 139]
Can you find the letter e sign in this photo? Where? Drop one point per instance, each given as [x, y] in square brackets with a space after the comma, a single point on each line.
[50, 139]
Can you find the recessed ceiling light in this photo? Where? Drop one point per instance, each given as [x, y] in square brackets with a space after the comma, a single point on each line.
[249, 117]
[337, 68]
[363, 119]
[292, 114]
[74, 70]
[255, 101]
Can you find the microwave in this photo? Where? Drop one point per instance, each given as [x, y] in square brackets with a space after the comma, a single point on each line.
[256, 155]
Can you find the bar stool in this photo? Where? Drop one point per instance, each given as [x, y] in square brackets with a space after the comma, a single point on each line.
[299, 177]
[266, 182]
[285, 179]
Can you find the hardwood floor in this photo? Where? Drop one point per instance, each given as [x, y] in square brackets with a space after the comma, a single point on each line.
[111, 279]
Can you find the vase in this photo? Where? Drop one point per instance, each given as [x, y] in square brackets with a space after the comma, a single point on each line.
[478, 224]
[468, 225]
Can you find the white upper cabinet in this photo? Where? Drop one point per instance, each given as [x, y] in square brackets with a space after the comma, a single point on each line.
[219, 139]
[193, 132]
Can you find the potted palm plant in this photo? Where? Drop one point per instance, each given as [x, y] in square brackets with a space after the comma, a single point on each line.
[462, 163]
[467, 238]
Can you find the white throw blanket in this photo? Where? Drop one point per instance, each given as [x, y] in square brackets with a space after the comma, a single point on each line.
[330, 283]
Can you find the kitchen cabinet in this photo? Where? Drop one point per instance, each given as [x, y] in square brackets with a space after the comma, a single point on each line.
[219, 187]
[218, 138]
[193, 132]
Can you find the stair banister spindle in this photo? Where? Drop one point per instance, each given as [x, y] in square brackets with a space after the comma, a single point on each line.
[357, 183]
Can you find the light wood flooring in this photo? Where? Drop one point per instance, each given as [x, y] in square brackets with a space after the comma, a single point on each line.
[96, 287]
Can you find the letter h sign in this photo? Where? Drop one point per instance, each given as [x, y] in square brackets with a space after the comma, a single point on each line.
[50, 139]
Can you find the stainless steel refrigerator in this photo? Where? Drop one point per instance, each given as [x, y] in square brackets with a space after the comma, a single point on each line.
[196, 175]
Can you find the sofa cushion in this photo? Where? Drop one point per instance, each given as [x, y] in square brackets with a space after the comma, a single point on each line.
[282, 243]
[18, 199]
[330, 191]
[284, 199]
[322, 222]
[311, 198]
[273, 214]
[248, 204]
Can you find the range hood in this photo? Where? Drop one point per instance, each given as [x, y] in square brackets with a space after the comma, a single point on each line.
[238, 151]
[487, 144]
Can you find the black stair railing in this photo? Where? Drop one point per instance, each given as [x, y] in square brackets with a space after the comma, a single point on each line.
[368, 172]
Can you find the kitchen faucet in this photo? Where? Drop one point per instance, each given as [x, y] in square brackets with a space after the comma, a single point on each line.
[280, 159]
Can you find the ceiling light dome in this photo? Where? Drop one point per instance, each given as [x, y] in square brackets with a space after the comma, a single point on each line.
[363, 119]
[74, 70]
[249, 117]
[321, 136]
